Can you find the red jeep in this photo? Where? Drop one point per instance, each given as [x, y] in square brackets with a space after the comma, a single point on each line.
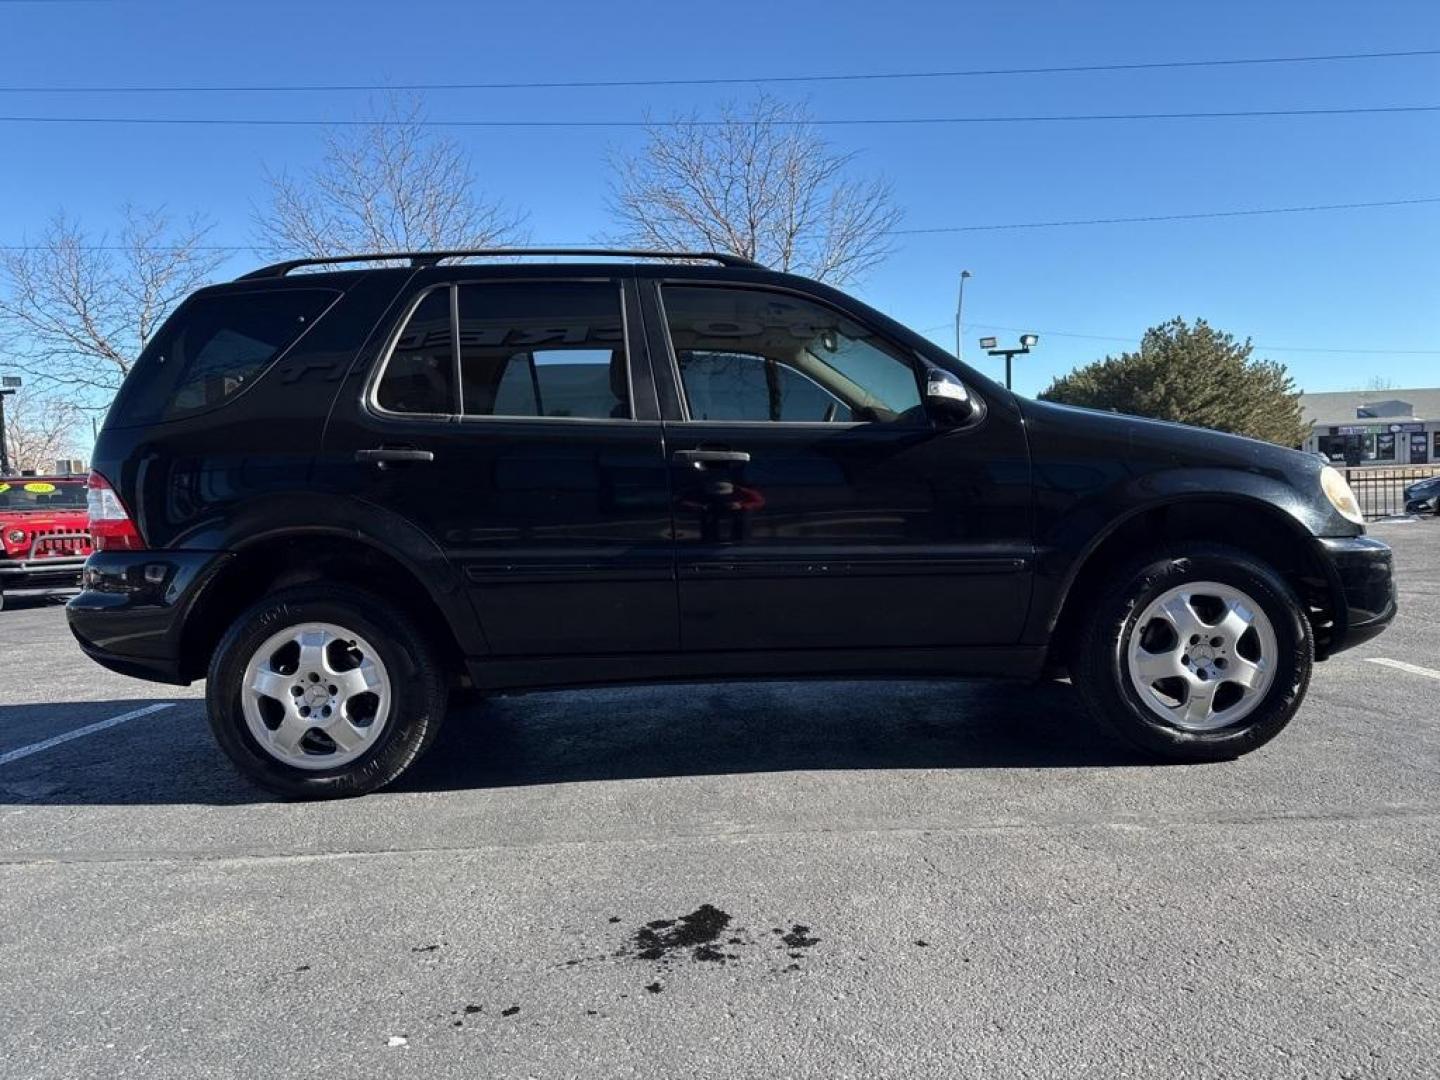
[44, 533]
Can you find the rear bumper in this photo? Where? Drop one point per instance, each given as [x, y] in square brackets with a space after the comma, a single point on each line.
[131, 611]
[1362, 587]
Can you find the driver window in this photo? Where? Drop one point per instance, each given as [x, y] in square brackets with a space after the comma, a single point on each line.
[752, 355]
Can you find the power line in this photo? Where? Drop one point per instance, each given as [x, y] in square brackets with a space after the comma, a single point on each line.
[938, 229]
[868, 121]
[1134, 339]
[1164, 217]
[729, 80]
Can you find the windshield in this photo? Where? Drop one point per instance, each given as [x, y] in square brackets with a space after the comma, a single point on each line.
[18, 494]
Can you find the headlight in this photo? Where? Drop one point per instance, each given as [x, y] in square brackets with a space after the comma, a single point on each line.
[1341, 497]
[16, 536]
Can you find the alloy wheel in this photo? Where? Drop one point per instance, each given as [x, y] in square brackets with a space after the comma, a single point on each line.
[316, 696]
[1202, 655]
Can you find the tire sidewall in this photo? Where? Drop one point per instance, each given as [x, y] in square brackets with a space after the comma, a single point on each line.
[1289, 679]
[416, 695]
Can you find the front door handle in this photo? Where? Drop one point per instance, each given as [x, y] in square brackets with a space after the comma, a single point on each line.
[385, 455]
[701, 458]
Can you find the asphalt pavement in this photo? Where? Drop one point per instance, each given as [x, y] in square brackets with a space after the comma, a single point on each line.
[847, 879]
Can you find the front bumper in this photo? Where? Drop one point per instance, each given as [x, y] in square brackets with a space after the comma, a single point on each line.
[1362, 587]
[132, 609]
[58, 572]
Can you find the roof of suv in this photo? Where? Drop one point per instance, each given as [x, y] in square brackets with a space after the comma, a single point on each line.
[420, 259]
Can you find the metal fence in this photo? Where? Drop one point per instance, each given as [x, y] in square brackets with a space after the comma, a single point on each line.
[1381, 489]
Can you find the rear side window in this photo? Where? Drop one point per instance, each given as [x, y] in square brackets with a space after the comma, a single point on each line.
[212, 348]
[420, 375]
[526, 349]
[555, 349]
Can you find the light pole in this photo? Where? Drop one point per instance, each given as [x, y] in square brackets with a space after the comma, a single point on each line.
[8, 385]
[1026, 341]
[959, 310]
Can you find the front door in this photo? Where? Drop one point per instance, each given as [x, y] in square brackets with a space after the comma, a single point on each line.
[816, 503]
[1419, 448]
[516, 424]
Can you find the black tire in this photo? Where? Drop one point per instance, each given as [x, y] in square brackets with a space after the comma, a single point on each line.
[418, 686]
[1101, 674]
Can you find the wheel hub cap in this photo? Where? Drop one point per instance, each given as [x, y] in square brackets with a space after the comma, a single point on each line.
[315, 696]
[1201, 656]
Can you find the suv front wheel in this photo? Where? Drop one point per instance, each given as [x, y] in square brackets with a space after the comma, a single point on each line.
[322, 691]
[1198, 654]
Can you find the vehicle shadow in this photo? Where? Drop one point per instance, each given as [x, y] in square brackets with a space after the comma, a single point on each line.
[612, 734]
[722, 728]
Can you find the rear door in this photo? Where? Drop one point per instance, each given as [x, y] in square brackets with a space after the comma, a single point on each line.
[816, 503]
[515, 422]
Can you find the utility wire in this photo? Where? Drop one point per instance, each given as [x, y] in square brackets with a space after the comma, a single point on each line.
[1134, 339]
[729, 80]
[1163, 217]
[939, 229]
[872, 121]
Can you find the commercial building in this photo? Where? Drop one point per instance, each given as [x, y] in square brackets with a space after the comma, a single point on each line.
[1375, 427]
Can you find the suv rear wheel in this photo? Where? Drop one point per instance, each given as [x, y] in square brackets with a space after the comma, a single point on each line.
[1200, 654]
[322, 691]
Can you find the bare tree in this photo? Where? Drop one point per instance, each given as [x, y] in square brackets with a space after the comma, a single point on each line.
[761, 183]
[41, 429]
[75, 312]
[391, 185]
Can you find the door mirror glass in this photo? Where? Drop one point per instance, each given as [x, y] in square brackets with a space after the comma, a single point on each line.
[947, 398]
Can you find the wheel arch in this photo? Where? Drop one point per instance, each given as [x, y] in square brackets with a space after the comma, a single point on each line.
[278, 560]
[1236, 520]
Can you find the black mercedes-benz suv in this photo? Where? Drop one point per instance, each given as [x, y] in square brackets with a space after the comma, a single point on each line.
[338, 494]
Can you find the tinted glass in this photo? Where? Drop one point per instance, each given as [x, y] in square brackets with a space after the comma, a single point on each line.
[420, 375]
[212, 348]
[543, 349]
[747, 354]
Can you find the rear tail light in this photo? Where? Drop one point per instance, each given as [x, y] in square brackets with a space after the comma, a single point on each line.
[110, 526]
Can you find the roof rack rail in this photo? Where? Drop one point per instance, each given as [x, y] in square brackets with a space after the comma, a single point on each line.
[419, 259]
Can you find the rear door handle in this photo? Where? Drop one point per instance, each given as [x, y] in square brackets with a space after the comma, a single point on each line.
[385, 455]
[710, 457]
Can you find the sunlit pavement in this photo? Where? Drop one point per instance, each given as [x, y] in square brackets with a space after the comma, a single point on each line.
[865, 879]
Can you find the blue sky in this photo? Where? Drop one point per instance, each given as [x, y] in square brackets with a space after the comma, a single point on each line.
[1363, 279]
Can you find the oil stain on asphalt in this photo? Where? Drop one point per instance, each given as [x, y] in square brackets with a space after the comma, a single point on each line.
[664, 939]
[705, 936]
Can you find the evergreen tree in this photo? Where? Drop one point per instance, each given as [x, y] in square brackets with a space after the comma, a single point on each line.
[1193, 375]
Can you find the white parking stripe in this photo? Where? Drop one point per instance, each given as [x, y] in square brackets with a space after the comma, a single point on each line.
[78, 733]
[1401, 665]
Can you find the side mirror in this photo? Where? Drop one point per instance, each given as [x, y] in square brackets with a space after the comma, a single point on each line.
[947, 398]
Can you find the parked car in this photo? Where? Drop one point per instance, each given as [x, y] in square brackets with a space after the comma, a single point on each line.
[43, 535]
[337, 493]
[1423, 496]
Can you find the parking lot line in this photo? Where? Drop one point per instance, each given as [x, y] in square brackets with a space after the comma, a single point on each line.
[1401, 665]
[81, 732]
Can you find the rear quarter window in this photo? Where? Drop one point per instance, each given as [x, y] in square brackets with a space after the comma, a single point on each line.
[212, 348]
